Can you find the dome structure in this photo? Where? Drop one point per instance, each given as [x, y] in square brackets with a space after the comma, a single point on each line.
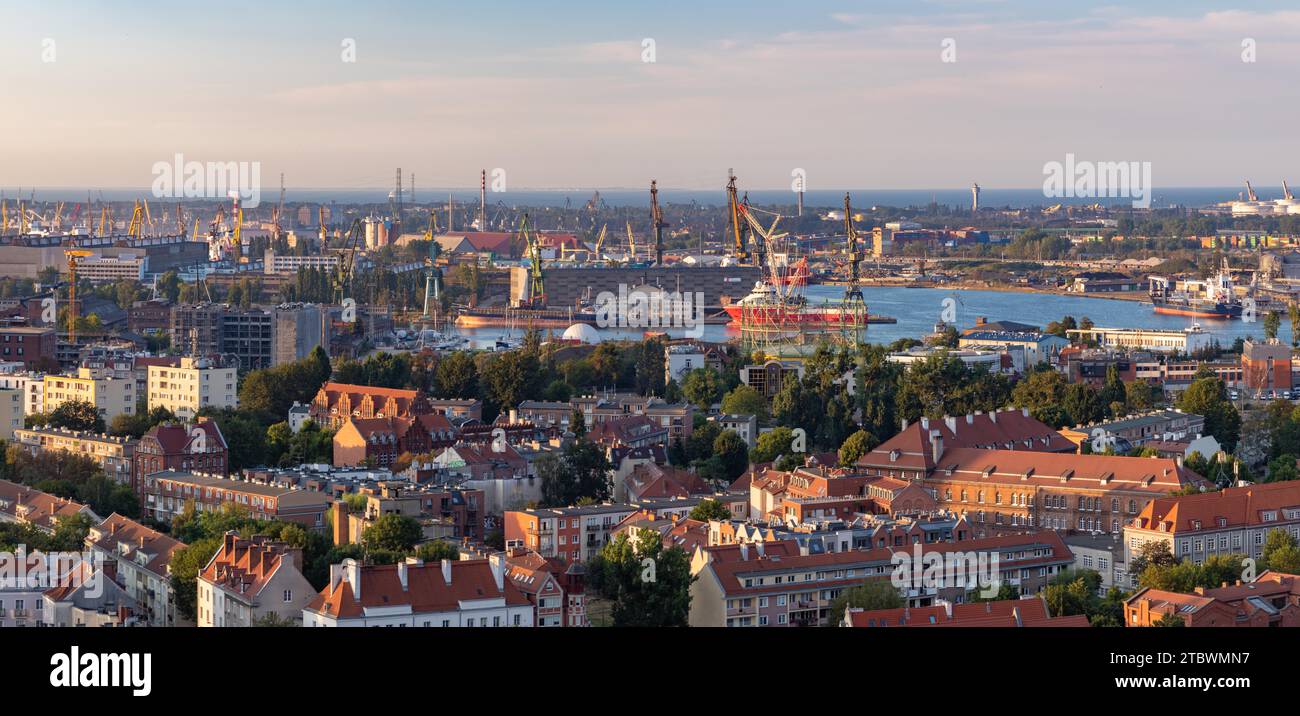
[582, 332]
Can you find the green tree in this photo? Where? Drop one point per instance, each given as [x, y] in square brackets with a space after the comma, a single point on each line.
[392, 532]
[744, 400]
[771, 444]
[1208, 396]
[700, 387]
[650, 585]
[456, 376]
[77, 415]
[1083, 404]
[437, 550]
[870, 595]
[1281, 552]
[1043, 392]
[1139, 395]
[185, 566]
[709, 509]
[1272, 322]
[732, 453]
[855, 446]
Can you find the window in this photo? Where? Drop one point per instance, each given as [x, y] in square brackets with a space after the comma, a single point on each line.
[288, 595]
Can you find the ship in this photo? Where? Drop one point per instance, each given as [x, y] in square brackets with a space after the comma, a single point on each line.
[1212, 298]
[765, 305]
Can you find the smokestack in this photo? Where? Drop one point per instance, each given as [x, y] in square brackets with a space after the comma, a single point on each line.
[936, 445]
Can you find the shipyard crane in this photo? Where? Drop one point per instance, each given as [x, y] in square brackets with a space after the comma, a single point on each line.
[1250, 192]
[1286, 191]
[854, 291]
[631, 244]
[344, 269]
[180, 222]
[236, 237]
[657, 221]
[736, 219]
[320, 219]
[600, 240]
[105, 222]
[4, 217]
[74, 310]
[137, 221]
[277, 214]
[536, 283]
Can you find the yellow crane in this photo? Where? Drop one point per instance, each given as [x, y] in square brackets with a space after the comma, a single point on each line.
[236, 237]
[4, 217]
[22, 219]
[320, 219]
[74, 310]
[104, 222]
[631, 244]
[137, 221]
[600, 240]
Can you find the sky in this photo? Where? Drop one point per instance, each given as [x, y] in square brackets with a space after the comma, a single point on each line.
[559, 95]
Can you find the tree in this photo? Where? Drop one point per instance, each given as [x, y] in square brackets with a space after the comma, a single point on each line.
[1208, 396]
[1138, 395]
[700, 387]
[1113, 391]
[580, 471]
[273, 620]
[709, 509]
[650, 585]
[1082, 404]
[855, 446]
[772, 444]
[1272, 321]
[456, 376]
[437, 550]
[1281, 552]
[392, 532]
[1282, 469]
[1043, 392]
[732, 454]
[870, 595]
[77, 415]
[1152, 553]
[744, 400]
[184, 566]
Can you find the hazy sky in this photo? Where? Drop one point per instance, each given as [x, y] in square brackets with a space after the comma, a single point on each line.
[557, 94]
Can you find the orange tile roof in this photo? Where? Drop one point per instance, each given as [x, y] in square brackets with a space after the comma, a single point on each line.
[1108, 472]
[426, 590]
[1237, 506]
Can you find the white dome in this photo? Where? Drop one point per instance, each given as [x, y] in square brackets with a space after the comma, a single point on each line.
[581, 332]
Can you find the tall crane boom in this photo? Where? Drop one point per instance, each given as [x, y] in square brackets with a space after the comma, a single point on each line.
[854, 292]
[657, 221]
[739, 228]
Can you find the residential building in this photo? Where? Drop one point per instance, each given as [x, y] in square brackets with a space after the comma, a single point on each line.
[199, 446]
[1266, 366]
[111, 396]
[683, 358]
[24, 505]
[766, 585]
[1232, 521]
[249, 580]
[1133, 431]
[1013, 613]
[1272, 599]
[1103, 554]
[379, 441]
[167, 493]
[746, 426]
[411, 593]
[444, 512]
[113, 454]
[36, 347]
[555, 589]
[11, 412]
[93, 599]
[196, 384]
[1035, 346]
[140, 559]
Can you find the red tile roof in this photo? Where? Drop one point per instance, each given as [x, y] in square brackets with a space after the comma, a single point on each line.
[1004, 429]
[126, 539]
[427, 590]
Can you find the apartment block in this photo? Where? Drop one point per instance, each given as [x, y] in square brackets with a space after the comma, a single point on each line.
[195, 384]
[111, 396]
[250, 579]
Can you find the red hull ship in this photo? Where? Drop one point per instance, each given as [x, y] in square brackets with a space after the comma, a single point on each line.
[765, 307]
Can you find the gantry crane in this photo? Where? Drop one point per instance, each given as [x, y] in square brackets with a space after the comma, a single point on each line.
[600, 240]
[74, 310]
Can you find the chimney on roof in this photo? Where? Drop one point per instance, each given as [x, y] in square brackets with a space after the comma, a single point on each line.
[936, 445]
[970, 419]
[759, 546]
[925, 423]
[497, 563]
[402, 574]
[951, 422]
[1024, 412]
[993, 416]
[446, 571]
[352, 572]
[744, 552]
[904, 423]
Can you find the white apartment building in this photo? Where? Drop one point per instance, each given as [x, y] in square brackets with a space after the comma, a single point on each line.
[32, 387]
[196, 384]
